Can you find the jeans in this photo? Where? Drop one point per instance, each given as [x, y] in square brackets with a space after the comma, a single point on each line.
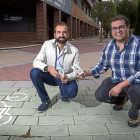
[39, 77]
[133, 92]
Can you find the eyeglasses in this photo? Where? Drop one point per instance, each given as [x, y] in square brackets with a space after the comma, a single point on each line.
[122, 27]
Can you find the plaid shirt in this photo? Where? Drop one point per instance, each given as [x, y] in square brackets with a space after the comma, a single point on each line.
[125, 64]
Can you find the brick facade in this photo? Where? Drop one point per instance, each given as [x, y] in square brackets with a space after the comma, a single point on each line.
[80, 25]
[17, 36]
[57, 16]
[41, 21]
[69, 23]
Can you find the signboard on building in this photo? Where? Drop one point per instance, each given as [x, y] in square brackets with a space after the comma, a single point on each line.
[63, 5]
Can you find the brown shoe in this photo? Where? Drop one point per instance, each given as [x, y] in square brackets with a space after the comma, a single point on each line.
[119, 107]
[133, 123]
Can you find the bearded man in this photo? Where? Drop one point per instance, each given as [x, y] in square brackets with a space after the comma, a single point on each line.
[52, 66]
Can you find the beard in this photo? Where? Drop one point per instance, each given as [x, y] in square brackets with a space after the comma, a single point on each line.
[61, 41]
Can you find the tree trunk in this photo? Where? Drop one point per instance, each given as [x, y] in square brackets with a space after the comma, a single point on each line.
[101, 34]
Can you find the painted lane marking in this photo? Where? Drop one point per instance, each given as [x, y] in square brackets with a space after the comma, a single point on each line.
[4, 111]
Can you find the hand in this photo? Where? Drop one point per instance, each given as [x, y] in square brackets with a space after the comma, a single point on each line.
[53, 72]
[82, 75]
[64, 79]
[115, 91]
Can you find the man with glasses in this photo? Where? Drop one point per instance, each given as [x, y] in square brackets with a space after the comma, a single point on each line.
[52, 66]
[122, 56]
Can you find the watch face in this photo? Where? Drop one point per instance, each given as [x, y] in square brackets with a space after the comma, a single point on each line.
[61, 72]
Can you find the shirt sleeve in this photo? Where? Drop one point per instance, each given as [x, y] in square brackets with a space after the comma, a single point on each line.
[102, 66]
[39, 61]
[136, 77]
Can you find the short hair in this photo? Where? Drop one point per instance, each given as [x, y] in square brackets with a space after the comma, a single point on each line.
[61, 24]
[121, 17]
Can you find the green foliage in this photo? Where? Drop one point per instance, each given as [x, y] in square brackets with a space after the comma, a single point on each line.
[128, 9]
[137, 25]
[103, 10]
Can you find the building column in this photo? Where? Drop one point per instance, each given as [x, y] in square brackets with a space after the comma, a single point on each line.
[41, 21]
[89, 30]
[78, 28]
[57, 16]
[96, 31]
[74, 28]
[86, 30]
[69, 23]
[93, 31]
[82, 29]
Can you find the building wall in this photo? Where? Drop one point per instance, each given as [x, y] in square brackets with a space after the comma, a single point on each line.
[81, 25]
[18, 36]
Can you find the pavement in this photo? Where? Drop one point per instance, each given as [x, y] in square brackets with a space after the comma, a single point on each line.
[84, 118]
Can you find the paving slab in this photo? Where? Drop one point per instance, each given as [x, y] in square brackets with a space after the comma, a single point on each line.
[137, 136]
[14, 130]
[23, 84]
[90, 129]
[86, 83]
[73, 138]
[91, 119]
[6, 93]
[7, 120]
[56, 120]
[54, 130]
[90, 103]
[115, 137]
[93, 110]
[4, 137]
[18, 97]
[60, 111]
[7, 83]
[22, 111]
[90, 97]
[26, 120]
[31, 104]
[60, 104]
[120, 118]
[122, 129]
[30, 138]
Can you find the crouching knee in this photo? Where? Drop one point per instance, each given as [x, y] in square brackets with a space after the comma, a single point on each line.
[34, 73]
[98, 97]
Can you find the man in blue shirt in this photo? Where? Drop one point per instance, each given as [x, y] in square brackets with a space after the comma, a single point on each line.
[122, 56]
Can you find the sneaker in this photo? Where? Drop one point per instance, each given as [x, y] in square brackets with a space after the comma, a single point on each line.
[133, 123]
[65, 99]
[119, 107]
[43, 107]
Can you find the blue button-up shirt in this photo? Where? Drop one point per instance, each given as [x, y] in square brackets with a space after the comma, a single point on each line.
[59, 57]
[125, 64]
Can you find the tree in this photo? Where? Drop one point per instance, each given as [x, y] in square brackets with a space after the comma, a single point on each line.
[128, 9]
[106, 27]
[137, 25]
[104, 11]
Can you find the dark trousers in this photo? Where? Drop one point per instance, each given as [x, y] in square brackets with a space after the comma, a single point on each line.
[39, 77]
[133, 92]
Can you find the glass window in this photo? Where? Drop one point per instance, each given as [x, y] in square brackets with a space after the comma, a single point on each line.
[82, 5]
[75, 1]
[86, 10]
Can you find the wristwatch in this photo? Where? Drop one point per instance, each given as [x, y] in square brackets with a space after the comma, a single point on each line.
[46, 68]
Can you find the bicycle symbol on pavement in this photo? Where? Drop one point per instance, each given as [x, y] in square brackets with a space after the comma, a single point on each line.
[4, 111]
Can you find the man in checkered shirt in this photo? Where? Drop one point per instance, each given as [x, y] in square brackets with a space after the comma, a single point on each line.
[122, 56]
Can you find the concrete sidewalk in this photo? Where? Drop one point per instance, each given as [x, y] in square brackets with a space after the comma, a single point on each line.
[84, 118]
